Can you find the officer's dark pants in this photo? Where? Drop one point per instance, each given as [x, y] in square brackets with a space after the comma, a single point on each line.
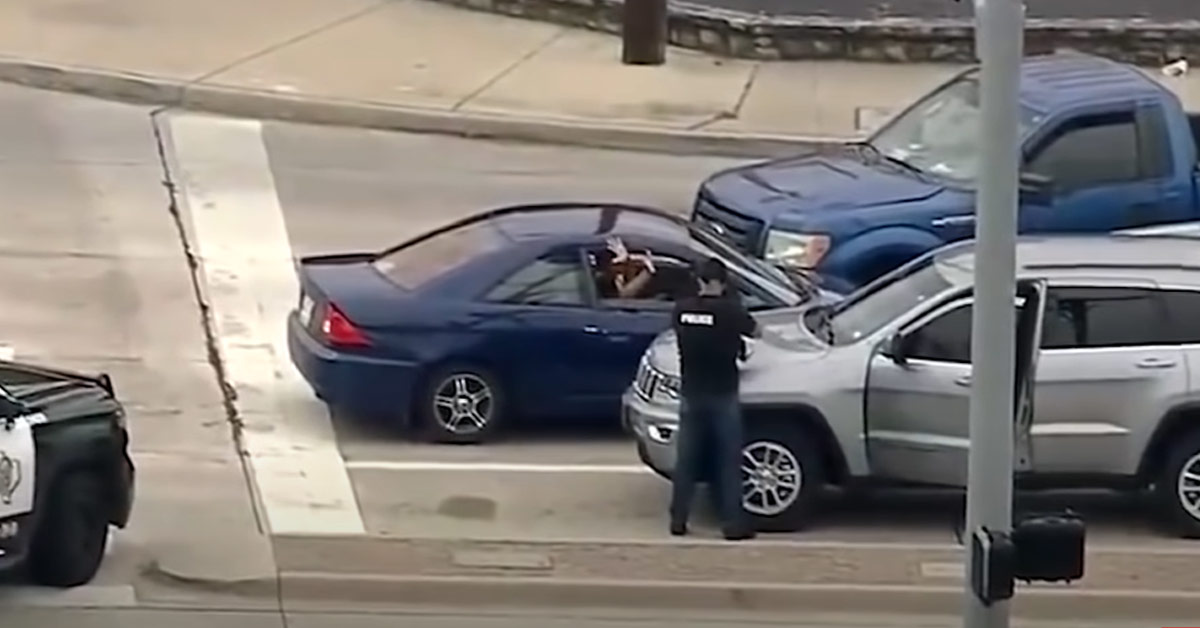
[709, 443]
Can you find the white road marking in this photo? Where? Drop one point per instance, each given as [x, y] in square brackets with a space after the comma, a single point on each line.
[495, 467]
[238, 225]
[88, 596]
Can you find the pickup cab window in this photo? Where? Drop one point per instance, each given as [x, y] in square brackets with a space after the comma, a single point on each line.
[1089, 151]
[940, 134]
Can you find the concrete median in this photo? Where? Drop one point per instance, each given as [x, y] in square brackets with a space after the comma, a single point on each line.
[329, 572]
[319, 591]
[278, 105]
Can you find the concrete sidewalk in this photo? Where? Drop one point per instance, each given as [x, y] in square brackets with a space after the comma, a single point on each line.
[418, 65]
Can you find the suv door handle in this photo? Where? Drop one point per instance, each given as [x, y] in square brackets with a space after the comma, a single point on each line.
[965, 380]
[592, 329]
[1156, 363]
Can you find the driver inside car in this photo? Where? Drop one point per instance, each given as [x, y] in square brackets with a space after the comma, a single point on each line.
[621, 275]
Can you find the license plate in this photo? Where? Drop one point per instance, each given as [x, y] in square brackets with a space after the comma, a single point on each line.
[305, 310]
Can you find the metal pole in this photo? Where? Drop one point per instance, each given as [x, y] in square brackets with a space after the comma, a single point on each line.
[644, 32]
[999, 42]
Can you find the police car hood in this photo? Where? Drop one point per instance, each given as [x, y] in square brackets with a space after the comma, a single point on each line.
[59, 395]
[785, 340]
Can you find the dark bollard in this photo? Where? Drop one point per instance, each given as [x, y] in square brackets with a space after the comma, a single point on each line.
[644, 32]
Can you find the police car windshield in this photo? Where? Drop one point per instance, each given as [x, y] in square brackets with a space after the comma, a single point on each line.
[788, 291]
[878, 303]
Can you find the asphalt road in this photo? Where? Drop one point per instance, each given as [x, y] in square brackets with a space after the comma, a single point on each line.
[1159, 10]
[342, 189]
[92, 277]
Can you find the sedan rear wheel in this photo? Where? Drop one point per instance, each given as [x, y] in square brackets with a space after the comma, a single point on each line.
[462, 405]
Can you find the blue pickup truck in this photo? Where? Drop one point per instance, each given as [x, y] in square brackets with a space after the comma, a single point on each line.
[1104, 147]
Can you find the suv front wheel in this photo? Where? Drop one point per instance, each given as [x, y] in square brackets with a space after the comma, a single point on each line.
[782, 476]
[1178, 487]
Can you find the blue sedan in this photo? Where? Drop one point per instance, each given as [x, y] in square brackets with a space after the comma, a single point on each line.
[500, 316]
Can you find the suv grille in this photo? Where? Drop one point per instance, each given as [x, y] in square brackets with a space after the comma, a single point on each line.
[646, 381]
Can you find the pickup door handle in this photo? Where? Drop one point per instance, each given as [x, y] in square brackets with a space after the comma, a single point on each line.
[1156, 363]
[965, 380]
[592, 329]
[953, 220]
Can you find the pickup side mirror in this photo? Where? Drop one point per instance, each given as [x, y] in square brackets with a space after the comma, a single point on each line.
[896, 349]
[1036, 188]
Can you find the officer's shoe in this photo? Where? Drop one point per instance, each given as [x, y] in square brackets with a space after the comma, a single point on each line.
[740, 534]
[679, 529]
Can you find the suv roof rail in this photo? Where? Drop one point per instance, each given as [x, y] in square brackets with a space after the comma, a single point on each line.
[1112, 266]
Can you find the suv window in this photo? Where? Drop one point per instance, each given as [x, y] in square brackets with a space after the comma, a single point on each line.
[946, 338]
[417, 263]
[1089, 151]
[550, 280]
[1102, 317]
[1183, 308]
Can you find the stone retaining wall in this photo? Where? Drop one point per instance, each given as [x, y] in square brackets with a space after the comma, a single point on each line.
[744, 35]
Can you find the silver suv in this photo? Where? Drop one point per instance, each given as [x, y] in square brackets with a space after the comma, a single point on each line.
[876, 387]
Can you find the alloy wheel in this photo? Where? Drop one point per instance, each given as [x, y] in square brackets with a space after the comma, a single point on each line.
[463, 404]
[771, 478]
[1189, 486]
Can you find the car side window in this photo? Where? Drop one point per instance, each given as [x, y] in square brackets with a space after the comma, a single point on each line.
[671, 278]
[1089, 151]
[946, 338]
[550, 280]
[1183, 309]
[1102, 317]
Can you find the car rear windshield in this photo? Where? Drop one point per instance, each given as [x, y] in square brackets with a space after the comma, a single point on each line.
[416, 264]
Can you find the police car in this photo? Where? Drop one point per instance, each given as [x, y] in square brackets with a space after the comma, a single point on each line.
[65, 472]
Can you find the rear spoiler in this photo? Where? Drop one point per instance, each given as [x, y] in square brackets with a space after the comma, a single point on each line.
[337, 258]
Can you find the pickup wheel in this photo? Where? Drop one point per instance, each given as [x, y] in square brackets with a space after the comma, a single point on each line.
[783, 473]
[69, 544]
[1178, 487]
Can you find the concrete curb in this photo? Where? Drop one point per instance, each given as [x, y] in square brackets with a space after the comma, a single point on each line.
[899, 39]
[230, 101]
[249, 586]
[313, 591]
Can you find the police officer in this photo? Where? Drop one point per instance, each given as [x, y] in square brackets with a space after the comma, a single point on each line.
[709, 327]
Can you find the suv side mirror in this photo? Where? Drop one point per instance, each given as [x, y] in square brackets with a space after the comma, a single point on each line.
[896, 348]
[1036, 188]
[11, 408]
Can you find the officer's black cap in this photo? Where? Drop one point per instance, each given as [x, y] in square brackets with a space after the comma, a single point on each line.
[712, 269]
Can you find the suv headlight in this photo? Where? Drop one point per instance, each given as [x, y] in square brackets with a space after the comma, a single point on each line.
[799, 250]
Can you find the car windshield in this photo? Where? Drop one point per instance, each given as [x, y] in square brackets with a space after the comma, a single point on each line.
[876, 304]
[789, 291]
[940, 134]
